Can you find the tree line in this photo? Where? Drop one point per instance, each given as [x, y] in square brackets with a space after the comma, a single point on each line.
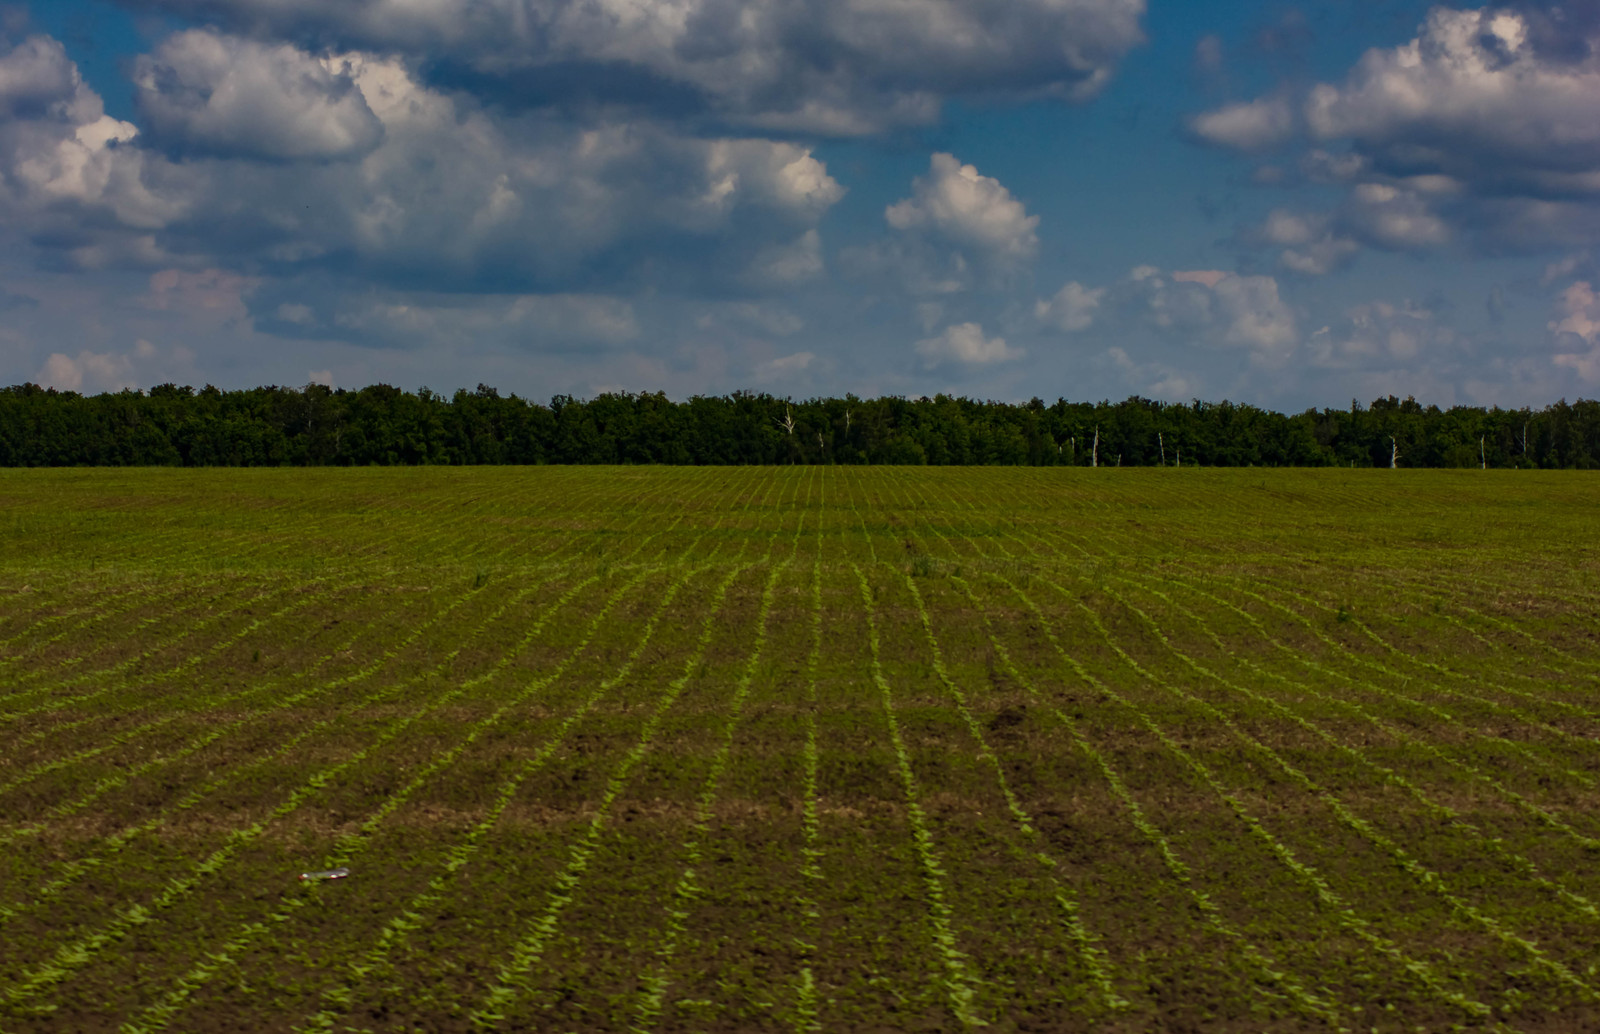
[172, 425]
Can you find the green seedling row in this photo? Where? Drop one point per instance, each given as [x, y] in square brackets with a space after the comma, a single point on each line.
[799, 749]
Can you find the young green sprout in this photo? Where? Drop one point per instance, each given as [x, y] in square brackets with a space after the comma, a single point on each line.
[326, 874]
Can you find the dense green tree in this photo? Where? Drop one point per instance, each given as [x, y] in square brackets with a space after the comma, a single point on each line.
[380, 424]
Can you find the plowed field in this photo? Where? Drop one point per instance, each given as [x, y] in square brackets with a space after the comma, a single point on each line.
[799, 749]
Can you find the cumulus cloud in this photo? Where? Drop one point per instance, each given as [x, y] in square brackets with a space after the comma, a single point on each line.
[1248, 126]
[1379, 336]
[1394, 218]
[409, 184]
[1580, 312]
[91, 371]
[62, 158]
[204, 91]
[1254, 316]
[1151, 379]
[104, 371]
[1566, 266]
[782, 175]
[1072, 308]
[1310, 244]
[957, 203]
[785, 366]
[213, 291]
[1208, 277]
[1471, 97]
[966, 344]
[1374, 214]
[1576, 331]
[37, 78]
[911, 264]
[411, 320]
[814, 66]
[1481, 127]
[787, 264]
[1221, 309]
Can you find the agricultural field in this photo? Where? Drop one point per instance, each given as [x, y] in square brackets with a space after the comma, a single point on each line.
[799, 749]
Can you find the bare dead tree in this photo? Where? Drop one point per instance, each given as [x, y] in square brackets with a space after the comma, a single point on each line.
[1394, 453]
[1094, 457]
[787, 423]
[1180, 456]
[1524, 439]
[1162, 445]
[1483, 459]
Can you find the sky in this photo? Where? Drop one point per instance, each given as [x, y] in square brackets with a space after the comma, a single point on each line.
[1287, 205]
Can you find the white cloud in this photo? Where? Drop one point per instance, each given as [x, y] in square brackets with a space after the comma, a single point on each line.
[956, 202]
[751, 320]
[912, 264]
[1580, 312]
[1310, 245]
[1253, 315]
[1566, 266]
[91, 371]
[419, 320]
[1473, 98]
[1292, 228]
[214, 291]
[60, 150]
[1394, 218]
[1208, 277]
[225, 95]
[1072, 308]
[1482, 128]
[965, 343]
[1247, 126]
[1375, 214]
[785, 366]
[782, 175]
[444, 188]
[1320, 257]
[1152, 379]
[783, 265]
[1576, 332]
[1379, 336]
[1212, 306]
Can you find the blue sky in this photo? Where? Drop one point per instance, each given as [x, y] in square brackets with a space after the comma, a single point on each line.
[1282, 204]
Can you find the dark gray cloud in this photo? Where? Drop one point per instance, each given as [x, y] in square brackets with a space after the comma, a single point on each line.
[829, 67]
[35, 77]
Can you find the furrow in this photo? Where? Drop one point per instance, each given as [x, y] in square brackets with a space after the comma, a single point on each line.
[960, 985]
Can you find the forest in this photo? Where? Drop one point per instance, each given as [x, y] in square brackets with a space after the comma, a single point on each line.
[172, 425]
